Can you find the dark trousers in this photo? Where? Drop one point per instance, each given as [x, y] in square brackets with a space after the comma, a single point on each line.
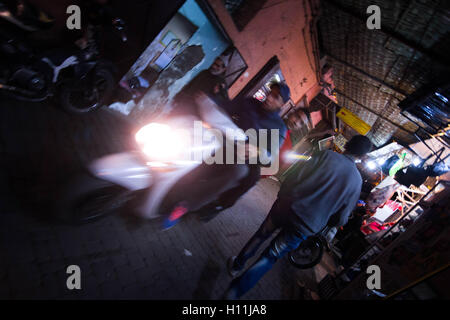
[285, 241]
[210, 181]
[230, 197]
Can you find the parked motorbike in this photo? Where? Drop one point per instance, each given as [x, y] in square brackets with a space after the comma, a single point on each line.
[77, 76]
[147, 180]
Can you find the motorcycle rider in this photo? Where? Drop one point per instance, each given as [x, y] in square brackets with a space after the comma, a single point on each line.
[251, 113]
[231, 181]
[208, 84]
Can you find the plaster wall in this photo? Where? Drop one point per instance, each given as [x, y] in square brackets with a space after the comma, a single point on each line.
[280, 28]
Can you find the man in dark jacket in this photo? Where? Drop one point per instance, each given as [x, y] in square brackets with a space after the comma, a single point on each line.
[319, 192]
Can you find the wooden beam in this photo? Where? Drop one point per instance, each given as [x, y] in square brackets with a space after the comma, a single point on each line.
[345, 63]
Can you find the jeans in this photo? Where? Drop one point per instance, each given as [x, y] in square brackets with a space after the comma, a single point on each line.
[287, 240]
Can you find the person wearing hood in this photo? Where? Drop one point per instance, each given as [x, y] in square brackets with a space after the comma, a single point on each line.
[210, 82]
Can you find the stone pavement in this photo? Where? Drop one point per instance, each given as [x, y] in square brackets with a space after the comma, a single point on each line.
[120, 257]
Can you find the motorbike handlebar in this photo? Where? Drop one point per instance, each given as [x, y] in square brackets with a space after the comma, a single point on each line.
[119, 26]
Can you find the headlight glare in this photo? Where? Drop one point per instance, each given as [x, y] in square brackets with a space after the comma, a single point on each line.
[160, 142]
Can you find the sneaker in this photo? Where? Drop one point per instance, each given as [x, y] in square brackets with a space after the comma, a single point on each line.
[230, 267]
[174, 217]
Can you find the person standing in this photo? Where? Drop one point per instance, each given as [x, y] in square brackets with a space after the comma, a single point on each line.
[210, 82]
[317, 193]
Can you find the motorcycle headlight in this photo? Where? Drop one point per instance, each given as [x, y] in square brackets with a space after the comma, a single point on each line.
[160, 142]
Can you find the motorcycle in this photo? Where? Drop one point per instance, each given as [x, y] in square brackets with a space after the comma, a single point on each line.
[77, 76]
[150, 177]
[310, 252]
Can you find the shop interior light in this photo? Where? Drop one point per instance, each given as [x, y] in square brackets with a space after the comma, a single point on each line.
[381, 161]
[290, 156]
[416, 161]
[371, 165]
[441, 97]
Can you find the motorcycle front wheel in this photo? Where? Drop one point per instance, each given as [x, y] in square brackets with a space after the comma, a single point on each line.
[81, 98]
[308, 254]
[86, 199]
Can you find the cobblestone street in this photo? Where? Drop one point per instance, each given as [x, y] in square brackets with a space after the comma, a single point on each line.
[105, 187]
[120, 257]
